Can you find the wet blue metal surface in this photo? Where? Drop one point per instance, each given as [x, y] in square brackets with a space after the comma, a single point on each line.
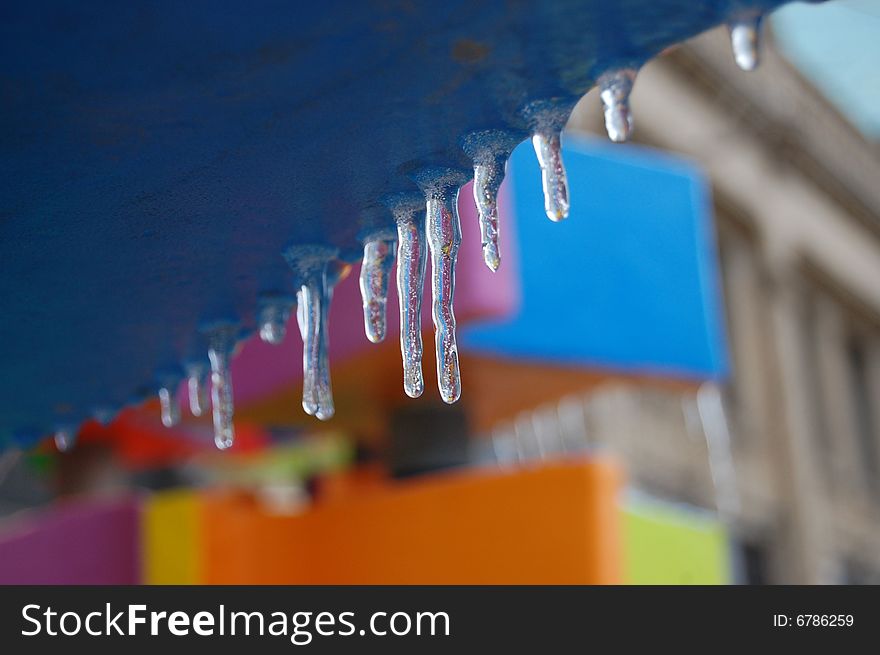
[157, 156]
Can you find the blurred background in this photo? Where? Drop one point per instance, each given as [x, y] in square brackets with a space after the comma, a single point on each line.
[680, 384]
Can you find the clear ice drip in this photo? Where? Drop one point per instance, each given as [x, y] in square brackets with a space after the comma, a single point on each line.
[489, 150]
[375, 271]
[313, 308]
[745, 34]
[317, 399]
[65, 438]
[614, 89]
[195, 374]
[548, 148]
[411, 263]
[488, 176]
[168, 406]
[221, 341]
[273, 315]
[444, 237]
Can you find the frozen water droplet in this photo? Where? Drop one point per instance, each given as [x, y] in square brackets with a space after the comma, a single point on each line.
[168, 406]
[273, 314]
[375, 271]
[195, 386]
[487, 180]
[548, 148]
[65, 438]
[411, 262]
[745, 34]
[614, 89]
[318, 274]
[221, 341]
[444, 237]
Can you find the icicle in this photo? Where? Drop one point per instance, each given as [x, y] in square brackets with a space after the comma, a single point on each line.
[411, 261]
[318, 275]
[547, 119]
[375, 271]
[489, 150]
[168, 406]
[221, 341]
[548, 148]
[443, 231]
[195, 374]
[614, 89]
[316, 397]
[487, 180]
[65, 439]
[273, 314]
[745, 35]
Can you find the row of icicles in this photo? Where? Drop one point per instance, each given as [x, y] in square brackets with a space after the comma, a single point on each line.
[436, 232]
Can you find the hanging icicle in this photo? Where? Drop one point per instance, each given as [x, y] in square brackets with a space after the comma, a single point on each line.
[221, 341]
[169, 409]
[195, 386]
[615, 87]
[547, 120]
[272, 315]
[375, 271]
[489, 150]
[745, 39]
[443, 231]
[412, 248]
[65, 439]
[318, 272]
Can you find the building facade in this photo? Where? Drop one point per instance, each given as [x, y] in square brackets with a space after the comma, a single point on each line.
[792, 449]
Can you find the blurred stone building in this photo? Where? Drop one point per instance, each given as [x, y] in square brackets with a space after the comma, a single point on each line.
[791, 454]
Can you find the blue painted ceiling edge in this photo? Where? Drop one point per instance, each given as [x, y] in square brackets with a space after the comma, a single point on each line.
[159, 156]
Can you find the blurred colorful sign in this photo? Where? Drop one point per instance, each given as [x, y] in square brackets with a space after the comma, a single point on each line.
[628, 282]
[671, 544]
